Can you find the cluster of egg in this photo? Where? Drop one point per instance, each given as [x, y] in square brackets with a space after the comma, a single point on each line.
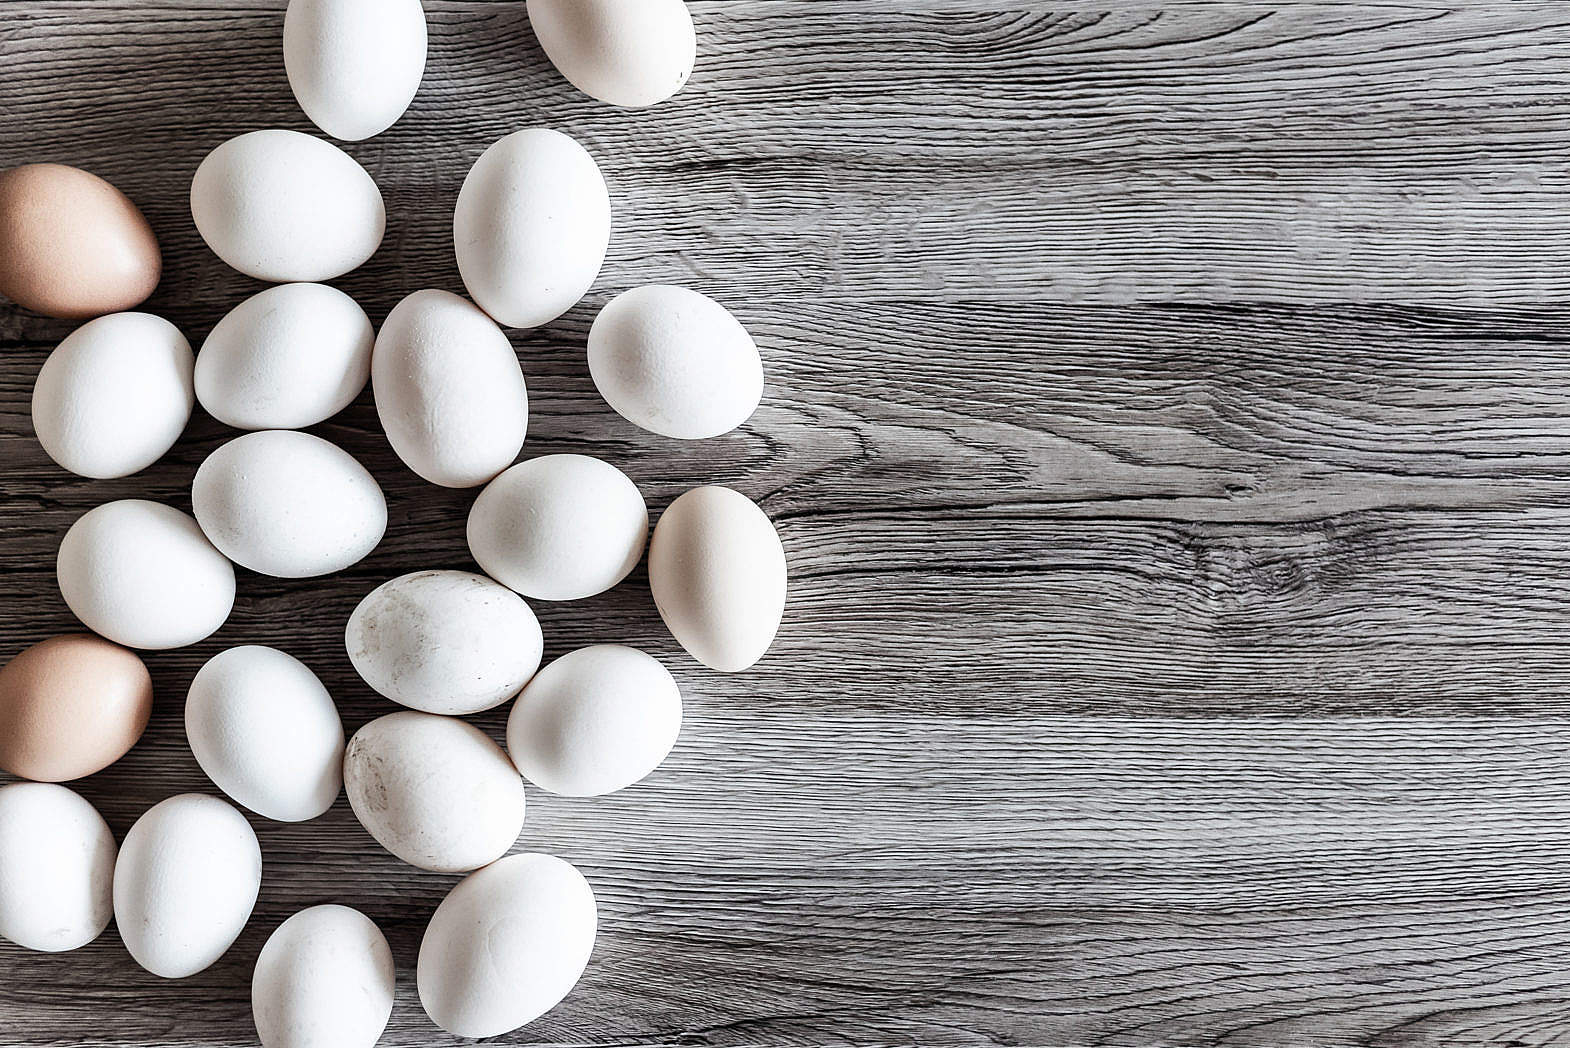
[531, 228]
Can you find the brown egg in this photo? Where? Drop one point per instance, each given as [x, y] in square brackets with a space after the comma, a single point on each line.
[70, 706]
[71, 244]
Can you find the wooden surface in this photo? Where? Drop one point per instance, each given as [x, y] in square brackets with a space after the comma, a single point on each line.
[1168, 424]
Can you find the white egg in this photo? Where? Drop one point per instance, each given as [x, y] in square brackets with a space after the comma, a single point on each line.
[354, 65]
[448, 642]
[324, 979]
[185, 883]
[624, 52]
[507, 944]
[288, 504]
[717, 571]
[143, 575]
[114, 396]
[531, 227]
[434, 791]
[285, 358]
[559, 527]
[56, 868]
[449, 391]
[266, 732]
[594, 721]
[282, 206]
[674, 362]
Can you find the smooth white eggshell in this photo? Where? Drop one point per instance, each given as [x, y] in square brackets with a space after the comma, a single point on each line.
[283, 206]
[449, 391]
[624, 52]
[675, 362]
[288, 504]
[354, 65]
[285, 358]
[184, 885]
[717, 570]
[142, 574]
[448, 642]
[115, 395]
[596, 720]
[324, 979]
[56, 867]
[531, 227]
[435, 791]
[559, 527]
[266, 732]
[507, 944]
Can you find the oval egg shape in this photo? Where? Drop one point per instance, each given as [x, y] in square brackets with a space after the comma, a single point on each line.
[624, 52]
[531, 227]
[57, 856]
[282, 206]
[288, 504]
[354, 65]
[449, 391]
[324, 979]
[506, 945]
[285, 358]
[435, 791]
[448, 642]
[266, 732]
[70, 706]
[184, 885]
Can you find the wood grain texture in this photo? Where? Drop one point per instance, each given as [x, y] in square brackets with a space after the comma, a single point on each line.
[1168, 425]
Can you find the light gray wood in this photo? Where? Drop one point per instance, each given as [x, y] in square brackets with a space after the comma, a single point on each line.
[1168, 425]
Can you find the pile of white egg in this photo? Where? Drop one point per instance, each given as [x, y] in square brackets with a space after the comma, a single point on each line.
[530, 232]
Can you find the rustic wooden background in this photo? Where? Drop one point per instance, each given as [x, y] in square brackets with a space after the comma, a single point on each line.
[1168, 424]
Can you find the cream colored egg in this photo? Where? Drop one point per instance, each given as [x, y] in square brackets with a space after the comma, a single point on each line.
[354, 65]
[56, 868]
[625, 52]
[324, 979]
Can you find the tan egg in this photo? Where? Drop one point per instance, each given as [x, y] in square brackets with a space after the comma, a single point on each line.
[71, 244]
[70, 706]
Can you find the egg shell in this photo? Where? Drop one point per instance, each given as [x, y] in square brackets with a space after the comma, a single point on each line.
[448, 642]
[143, 575]
[434, 791]
[624, 52]
[449, 391]
[288, 504]
[185, 882]
[285, 358]
[282, 206]
[354, 65]
[595, 721]
[70, 706]
[72, 245]
[506, 945]
[56, 868]
[531, 227]
[324, 979]
[674, 362]
[266, 732]
[717, 571]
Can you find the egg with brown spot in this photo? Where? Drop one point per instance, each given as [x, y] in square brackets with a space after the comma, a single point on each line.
[70, 706]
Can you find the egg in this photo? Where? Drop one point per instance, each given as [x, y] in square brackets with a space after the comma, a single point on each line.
[354, 65]
[56, 868]
[674, 362]
[449, 391]
[266, 732]
[324, 979]
[288, 504]
[448, 642]
[531, 227]
[624, 52]
[285, 358]
[596, 720]
[506, 945]
[70, 706]
[144, 575]
[185, 882]
[434, 791]
[283, 206]
[72, 245]
[717, 571]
